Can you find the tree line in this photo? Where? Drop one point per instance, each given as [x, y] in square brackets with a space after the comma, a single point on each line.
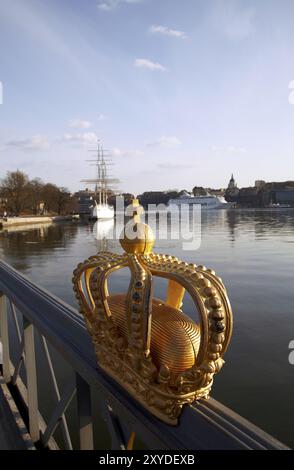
[19, 194]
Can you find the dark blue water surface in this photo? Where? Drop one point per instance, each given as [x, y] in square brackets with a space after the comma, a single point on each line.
[252, 251]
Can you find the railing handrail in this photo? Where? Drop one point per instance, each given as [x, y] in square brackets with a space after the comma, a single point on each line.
[207, 425]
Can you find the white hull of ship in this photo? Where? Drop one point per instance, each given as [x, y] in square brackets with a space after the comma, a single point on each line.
[103, 212]
[206, 202]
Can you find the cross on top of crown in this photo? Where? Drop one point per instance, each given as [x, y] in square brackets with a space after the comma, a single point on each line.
[135, 210]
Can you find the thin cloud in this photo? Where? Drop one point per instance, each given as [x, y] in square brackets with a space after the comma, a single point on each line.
[148, 64]
[36, 142]
[109, 5]
[83, 138]
[159, 29]
[117, 152]
[165, 142]
[79, 124]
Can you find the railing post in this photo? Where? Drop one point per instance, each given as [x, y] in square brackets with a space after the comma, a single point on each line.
[29, 346]
[84, 414]
[5, 338]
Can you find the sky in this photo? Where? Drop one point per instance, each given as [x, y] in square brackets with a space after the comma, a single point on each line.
[182, 92]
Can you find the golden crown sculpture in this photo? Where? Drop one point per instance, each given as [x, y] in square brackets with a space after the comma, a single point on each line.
[148, 345]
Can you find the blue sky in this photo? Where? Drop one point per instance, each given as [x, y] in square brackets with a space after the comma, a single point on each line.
[183, 92]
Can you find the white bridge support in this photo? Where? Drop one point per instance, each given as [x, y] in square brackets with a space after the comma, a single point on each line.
[29, 313]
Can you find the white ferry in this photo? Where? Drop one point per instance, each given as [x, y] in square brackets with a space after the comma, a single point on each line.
[208, 201]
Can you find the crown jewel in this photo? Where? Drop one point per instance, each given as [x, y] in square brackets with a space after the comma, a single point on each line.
[148, 345]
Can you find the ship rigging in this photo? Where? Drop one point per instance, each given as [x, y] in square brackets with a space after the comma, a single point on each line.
[102, 184]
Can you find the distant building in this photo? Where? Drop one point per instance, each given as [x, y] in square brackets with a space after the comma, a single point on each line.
[125, 199]
[86, 201]
[156, 197]
[216, 192]
[262, 194]
[259, 184]
[232, 184]
[199, 191]
[249, 197]
[232, 191]
[278, 193]
[285, 197]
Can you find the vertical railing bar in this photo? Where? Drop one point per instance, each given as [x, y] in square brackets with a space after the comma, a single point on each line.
[65, 431]
[84, 414]
[5, 338]
[21, 359]
[15, 320]
[32, 386]
[18, 364]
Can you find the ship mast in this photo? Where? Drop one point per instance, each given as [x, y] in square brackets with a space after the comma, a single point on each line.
[102, 181]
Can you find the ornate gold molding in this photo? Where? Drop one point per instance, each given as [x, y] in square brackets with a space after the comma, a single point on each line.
[148, 345]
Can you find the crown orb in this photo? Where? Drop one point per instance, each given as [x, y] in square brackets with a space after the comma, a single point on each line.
[137, 238]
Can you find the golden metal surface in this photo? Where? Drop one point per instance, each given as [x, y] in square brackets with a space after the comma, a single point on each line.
[137, 238]
[175, 294]
[130, 444]
[175, 338]
[148, 345]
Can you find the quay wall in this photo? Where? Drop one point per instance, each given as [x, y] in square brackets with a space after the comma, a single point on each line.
[12, 221]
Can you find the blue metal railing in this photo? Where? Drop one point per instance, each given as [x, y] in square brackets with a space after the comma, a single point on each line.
[206, 425]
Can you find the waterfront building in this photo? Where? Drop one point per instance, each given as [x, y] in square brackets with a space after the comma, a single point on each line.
[259, 184]
[262, 194]
[126, 199]
[249, 197]
[201, 191]
[156, 197]
[285, 196]
[86, 201]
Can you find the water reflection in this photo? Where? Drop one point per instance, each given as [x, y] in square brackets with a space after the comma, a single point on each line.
[264, 223]
[251, 251]
[103, 232]
[19, 244]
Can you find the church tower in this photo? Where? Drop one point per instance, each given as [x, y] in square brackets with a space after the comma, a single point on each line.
[232, 191]
[232, 184]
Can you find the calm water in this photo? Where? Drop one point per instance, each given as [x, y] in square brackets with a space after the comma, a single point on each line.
[253, 252]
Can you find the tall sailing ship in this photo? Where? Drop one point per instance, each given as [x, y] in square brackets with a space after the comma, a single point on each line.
[102, 183]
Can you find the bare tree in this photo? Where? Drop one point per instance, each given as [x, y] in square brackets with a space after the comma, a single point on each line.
[55, 199]
[63, 197]
[50, 197]
[35, 195]
[18, 193]
[14, 189]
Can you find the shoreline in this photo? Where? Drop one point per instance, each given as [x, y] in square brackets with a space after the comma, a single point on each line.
[13, 221]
